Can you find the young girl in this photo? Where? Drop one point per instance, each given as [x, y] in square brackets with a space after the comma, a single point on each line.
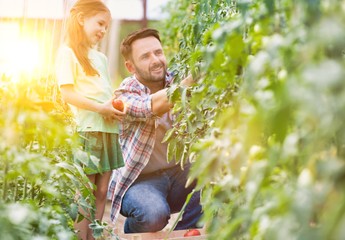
[83, 77]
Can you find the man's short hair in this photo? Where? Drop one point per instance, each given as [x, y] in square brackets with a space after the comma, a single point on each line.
[126, 44]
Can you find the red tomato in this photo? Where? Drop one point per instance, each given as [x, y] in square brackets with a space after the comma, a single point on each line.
[118, 104]
[192, 232]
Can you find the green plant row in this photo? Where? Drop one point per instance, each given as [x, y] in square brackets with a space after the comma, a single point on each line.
[264, 124]
[39, 180]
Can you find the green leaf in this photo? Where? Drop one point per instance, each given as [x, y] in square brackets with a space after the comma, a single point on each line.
[171, 152]
[168, 135]
[184, 97]
[73, 211]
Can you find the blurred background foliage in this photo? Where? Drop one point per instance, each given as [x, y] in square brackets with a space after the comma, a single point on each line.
[264, 124]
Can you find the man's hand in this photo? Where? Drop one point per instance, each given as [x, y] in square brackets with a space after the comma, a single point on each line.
[188, 81]
[160, 102]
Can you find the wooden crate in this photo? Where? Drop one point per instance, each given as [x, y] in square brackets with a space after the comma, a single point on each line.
[174, 235]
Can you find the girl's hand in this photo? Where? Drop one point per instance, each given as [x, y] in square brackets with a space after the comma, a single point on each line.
[110, 113]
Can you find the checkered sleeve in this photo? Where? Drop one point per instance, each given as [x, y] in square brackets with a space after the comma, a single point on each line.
[137, 138]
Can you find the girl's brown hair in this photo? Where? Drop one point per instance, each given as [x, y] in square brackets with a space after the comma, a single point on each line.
[76, 37]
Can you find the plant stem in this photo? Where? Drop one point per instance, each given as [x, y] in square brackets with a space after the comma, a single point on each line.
[25, 188]
[4, 186]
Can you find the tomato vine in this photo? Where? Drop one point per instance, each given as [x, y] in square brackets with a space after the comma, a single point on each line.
[264, 124]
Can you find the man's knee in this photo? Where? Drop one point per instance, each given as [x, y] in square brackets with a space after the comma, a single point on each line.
[156, 219]
[151, 219]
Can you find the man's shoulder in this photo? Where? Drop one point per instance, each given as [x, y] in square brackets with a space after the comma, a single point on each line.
[128, 81]
[169, 77]
[132, 84]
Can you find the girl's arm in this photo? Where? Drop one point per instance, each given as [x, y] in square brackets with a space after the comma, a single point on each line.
[105, 109]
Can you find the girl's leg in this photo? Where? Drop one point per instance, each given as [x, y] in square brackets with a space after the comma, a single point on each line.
[83, 225]
[102, 181]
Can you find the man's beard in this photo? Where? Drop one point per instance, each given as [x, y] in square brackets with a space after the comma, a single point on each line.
[146, 76]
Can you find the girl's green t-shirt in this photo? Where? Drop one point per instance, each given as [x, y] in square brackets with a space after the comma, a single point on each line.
[96, 88]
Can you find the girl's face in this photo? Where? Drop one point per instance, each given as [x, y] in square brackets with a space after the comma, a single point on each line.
[96, 26]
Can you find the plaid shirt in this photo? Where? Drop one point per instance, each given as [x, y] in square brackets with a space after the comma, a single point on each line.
[137, 138]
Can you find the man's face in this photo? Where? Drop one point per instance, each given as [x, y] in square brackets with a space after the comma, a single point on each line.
[148, 60]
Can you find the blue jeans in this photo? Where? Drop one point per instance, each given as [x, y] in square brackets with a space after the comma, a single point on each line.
[151, 199]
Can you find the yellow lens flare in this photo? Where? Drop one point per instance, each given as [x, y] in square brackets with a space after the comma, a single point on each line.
[25, 55]
[20, 56]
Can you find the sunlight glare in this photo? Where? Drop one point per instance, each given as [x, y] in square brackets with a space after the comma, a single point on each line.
[18, 54]
[25, 56]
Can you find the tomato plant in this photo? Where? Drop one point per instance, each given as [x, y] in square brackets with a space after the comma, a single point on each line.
[39, 178]
[264, 124]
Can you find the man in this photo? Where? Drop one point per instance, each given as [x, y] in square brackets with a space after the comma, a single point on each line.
[148, 189]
